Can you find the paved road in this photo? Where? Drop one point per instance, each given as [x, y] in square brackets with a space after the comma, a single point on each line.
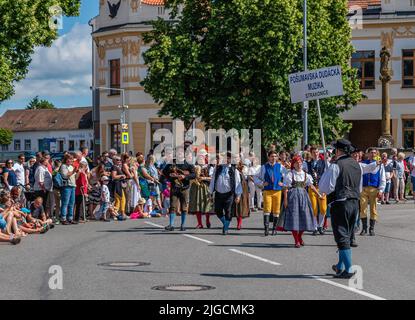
[243, 265]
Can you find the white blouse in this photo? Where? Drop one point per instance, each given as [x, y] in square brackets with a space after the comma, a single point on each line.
[298, 177]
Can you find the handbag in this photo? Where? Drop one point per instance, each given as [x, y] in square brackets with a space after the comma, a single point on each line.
[124, 184]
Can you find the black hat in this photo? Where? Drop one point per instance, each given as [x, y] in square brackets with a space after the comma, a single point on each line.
[344, 145]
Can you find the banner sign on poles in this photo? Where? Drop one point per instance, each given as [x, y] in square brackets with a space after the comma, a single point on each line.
[316, 84]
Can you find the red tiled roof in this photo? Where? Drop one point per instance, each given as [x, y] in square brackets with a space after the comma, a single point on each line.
[364, 3]
[47, 119]
[153, 2]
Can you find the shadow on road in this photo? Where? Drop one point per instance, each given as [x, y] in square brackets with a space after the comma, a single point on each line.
[262, 276]
[270, 245]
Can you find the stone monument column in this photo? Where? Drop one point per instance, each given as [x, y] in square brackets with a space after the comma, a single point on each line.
[386, 139]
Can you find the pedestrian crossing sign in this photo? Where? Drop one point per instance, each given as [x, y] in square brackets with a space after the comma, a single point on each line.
[125, 138]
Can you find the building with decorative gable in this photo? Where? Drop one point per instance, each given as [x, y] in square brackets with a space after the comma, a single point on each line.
[118, 63]
[390, 24]
[117, 35]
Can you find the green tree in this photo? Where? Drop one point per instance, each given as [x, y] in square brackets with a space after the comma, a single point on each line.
[24, 25]
[228, 63]
[35, 103]
[6, 136]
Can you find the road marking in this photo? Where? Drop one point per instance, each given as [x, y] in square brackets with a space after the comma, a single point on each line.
[196, 238]
[255, 257]
[185, 235]
[354, 290]
[154, 225]
[361, 292]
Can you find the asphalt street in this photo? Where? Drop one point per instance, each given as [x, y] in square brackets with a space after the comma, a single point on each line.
[242, 265]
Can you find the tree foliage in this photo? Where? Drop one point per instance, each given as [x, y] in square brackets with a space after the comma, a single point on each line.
[228, 61]
[35, 103]
[24, 24]
[6, 136]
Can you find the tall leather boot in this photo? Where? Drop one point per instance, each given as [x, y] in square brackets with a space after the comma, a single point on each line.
[372, 228]
[274, 226]
[353, 242]
[266, 225]
[364, 227]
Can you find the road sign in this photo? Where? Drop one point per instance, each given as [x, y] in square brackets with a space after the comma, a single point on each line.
[124, 126]
[125, 138]
[316, 84]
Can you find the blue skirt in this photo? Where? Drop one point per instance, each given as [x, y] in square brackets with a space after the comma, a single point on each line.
[299, 214]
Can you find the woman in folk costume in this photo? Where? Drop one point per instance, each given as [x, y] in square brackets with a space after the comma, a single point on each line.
[299, 215]
[241, 210]
[199, 199]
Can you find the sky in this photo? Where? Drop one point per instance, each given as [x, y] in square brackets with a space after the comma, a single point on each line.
[61, 73]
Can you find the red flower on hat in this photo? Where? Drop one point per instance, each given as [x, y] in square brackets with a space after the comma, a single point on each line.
[294, 160]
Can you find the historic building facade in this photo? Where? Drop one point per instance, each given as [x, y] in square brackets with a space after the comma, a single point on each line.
[390, 24]
[118, 47]
[118, 63]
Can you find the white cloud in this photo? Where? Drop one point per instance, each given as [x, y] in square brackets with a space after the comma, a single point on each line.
[64, 69]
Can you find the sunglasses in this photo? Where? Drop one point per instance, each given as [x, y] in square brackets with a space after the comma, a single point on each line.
[9, 162]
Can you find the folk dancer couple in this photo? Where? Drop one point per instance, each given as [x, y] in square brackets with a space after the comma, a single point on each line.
[277, 183]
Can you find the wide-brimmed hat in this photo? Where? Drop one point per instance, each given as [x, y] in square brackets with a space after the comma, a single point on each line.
[343, 144]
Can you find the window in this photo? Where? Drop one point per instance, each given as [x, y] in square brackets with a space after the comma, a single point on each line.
[28, 144]
[4, 147]
[115, 130]
[161, 11]
[412, 3]
[60, 146]
[71, 145]
[156, 126]
[364, 62]
[17, 145]
[115, 77]
[409, 133]
[408, 66]
[82, 144]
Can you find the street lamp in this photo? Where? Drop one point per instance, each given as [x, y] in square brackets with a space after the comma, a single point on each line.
[305, 103]
[123, 107]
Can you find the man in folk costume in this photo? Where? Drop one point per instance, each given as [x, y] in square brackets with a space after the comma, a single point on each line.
[226, 188]
[374, 185]
[315, 168]
[180, 173]
[342, 182]
[270, 178]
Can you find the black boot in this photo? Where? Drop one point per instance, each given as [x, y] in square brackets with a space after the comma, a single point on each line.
[364, 227]
[266, 226]
[274, 226]
[353, 242]
[372, 228]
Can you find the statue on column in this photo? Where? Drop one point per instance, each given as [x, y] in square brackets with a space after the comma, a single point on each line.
[385, 71]
[386, 139]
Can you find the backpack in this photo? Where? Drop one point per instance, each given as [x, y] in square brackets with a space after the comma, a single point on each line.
[58, 182]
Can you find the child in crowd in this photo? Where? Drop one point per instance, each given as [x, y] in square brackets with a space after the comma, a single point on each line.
[149, 209]
[106, 209]
[105, 202]
[139, 211]
[166, 199]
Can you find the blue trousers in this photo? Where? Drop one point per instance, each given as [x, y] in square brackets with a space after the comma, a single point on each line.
[67, 203]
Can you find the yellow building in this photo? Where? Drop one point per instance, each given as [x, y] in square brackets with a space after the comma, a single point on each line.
[378, 24]
[118, 63]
